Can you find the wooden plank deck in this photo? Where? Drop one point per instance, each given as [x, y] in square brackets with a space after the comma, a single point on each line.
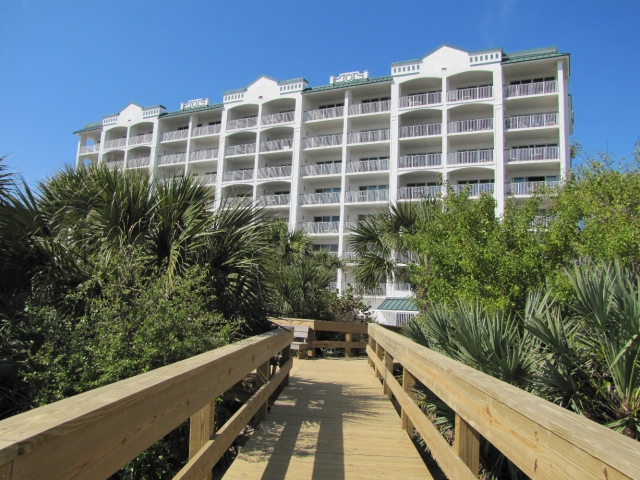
[332, 422]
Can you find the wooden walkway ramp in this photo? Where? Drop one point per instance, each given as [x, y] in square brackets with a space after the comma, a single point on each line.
[333, 421]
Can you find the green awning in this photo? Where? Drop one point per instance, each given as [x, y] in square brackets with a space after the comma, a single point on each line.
[398, 304]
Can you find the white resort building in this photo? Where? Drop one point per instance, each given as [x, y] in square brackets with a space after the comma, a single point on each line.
[322, 157]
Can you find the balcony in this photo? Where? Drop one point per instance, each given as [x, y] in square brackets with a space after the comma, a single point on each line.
[237, 176]
[174, 135]
[141, 139]
[470, 157]
[322, 141]
[232, 202]
[367, 166]
[418, 193]
[369, 136]
[363, 196]
[114, 164]
[420, 161]
[466, 126]
[321, 227]
[138, 162]
[531, 154]
[274, 200]
[202, 155]
[208, 179]
[323, 169]
[249, 122]
[531, 121]
[172, 159]
[349, 255]
[244, 149]
[528, 89]
[475, 188]
[402, 287]
[372, 107]
[527, 188]
[95, 148]
[277, 118]
[206, 130]
[276, 145]
[323, 114]
[319, 198]
[421, 100]
[379, 291]
[468, 94]
[115, 143]
[349, 225]
[275, 172]
[426, 130]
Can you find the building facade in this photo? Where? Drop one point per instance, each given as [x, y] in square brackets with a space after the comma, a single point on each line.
[322, 157]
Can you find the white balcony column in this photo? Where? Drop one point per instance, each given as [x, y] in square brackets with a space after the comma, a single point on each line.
[346, 124]
[81, 143]
[192, 124]
[498, 142]
[103, 136]
[221, 158]
[394, 146]
[153, 148]
[445, 138]
[564, 117]
[296, 155]
[126, 150]
[257, 154]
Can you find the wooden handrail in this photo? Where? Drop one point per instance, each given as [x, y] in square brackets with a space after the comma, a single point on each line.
[544, 440]
[94, 434]
[327, 326]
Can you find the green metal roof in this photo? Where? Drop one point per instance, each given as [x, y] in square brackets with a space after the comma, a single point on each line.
[398, 304]
[529, 55]
[189, 111]
[89, 127]
[353, 83]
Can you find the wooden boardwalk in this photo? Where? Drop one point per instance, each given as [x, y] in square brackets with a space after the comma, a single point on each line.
[332, 422]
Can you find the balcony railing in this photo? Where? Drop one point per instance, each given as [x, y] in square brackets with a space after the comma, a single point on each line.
[274, 200]
[206, 130]
[237, 176]
[425, 130]
[237, 201]
[141, 139]
[373, 107]
[239, 123]
[138, 162]
[476, 125]
[174, 135]
[319, 198]
[323, 114]
[349, 255]
[90, 148]
[526, 89]
[475, 188]
[367, 166]
[276, 145]
[113, 164]
[472, 156]
[245, 149]
[418, 193]
[402, 287]
[362, 196]
[322, 141]
[115, 143]
[208, 179]
[418, 161]
[394, 318]
[421, 100]
[531, 154]
[201, 155]
[531, 121]
[277, 118]
[369, 136]
[171, 159]
[527, 188]
[275, 172]
[542, 221]
[321, 227]
[471, 93]
[379, 291]
[323, 169]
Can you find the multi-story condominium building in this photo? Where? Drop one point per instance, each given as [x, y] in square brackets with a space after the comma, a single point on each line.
[322, 157]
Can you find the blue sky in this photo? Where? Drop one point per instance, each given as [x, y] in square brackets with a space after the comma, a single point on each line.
[67, 63]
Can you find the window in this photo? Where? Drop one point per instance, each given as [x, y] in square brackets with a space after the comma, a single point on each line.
[184, 128]
[365, 159]
[283, 192]
[329, 247]
[326, 218]
[328, 190]
[328, 162]
[374, 100]
[214, 123]
[374, 187]
[333, 105]
[409, 185]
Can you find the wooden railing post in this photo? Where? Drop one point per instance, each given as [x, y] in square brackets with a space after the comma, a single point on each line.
[379, 352]
[372, 345]
[466, 444]
[201, 426]
[388, 367]
[310, 340]
[347, 350]
[286, 355]
[262, 377]
[408, 383]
